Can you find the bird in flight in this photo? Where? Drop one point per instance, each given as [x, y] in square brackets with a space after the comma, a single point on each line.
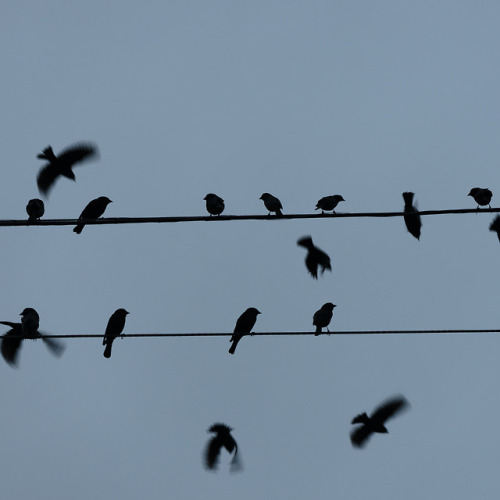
[28, 329]
[315, 257]
[376, 422]
[62, 164]
[221, 439]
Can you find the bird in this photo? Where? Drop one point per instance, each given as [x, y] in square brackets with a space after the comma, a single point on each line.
[62, 164]
[315, 257]
[328, 203]
[116, 323]
[495, 226]
[244, 325]
[222, 438]
[215, 204]
[28, 329]
[376, 423]
[482, 196]
[35, 209]
[323, 316]
[93, 210]
[411, 215]
[272, 204]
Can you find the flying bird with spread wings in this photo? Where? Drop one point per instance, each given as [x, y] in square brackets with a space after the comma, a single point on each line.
[62, 164]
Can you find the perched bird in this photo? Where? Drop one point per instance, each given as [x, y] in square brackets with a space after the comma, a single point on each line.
[93, 210]
[215, 204]
[315, 257]
[482, 196]
[376, 423]
[62, 164]
[323, 316]
[221, 439]
[411, 216]
[27, 329]
[329, 203]
[272, 204]
[35, 209]
[495, 226]
[115, 327]
[244, 325]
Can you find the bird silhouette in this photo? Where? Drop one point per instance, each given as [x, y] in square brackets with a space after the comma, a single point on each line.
[315, 257]
[62, 164]
[328, 203]
[35, 209]
[323, 316]
[376, 422]
[115, 326]
[28, 329]
[215, 204]
[93, 210]
[411, 216]
[482, 196]
[244, 325]
[222, 439]
[272, 204]
[116, 323]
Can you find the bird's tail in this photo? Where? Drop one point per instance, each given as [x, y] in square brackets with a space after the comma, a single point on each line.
[232, 349]
[107, 351]
[279, 213]
[47, 154]
[79, 228]
[408, 198]
[318, 330]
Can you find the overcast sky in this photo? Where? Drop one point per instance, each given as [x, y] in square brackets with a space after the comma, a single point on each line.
[300, 99]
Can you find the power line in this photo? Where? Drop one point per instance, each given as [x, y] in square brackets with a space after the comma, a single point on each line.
[264, 334]
[220, 218]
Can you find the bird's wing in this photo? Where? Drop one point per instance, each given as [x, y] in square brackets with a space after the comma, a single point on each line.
[9, 347]
[312, 265]
[56, 347]
[360, 435]
[389, 408]
[77, 153]
[46, 178]
[211, 454]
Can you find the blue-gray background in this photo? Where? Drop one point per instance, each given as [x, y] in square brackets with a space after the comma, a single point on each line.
[300, 99]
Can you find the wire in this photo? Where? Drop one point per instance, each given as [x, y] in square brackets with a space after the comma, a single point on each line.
[263, 334]
[220, 218]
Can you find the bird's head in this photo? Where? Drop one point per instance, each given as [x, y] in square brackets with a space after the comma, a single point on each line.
[306, 242]
[339, 197]
[105, 199]
[264, 196]
[253, 310]
[328, 306]
[29, 311]
[122, 311]
[474, 191]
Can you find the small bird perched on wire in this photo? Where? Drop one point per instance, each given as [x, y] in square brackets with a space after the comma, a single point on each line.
[62, 164]
[411, 215]
[215, 204]
[244, 325]
[315, 257]
[328, 203]
[27, 329]
[116, 323]
[376, 422]
[93, 210]
[272, 204]
[482, 196]
[35, 209]
[323, 316]
[495, 226]
[222, 439]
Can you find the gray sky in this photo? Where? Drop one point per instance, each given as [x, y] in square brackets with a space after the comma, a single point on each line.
[300, 99]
